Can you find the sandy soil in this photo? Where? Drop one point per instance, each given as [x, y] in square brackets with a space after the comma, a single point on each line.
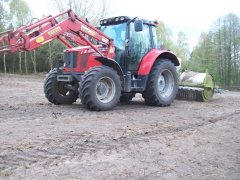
[188, 140]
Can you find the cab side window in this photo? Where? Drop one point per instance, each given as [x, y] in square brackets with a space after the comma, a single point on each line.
[139, 45]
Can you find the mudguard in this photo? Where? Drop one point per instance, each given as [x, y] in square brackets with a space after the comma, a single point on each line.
[111, 63]
[150, 58]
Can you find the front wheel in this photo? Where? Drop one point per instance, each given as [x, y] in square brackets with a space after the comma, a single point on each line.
[100, 88]
[162, 85]
[56, 91]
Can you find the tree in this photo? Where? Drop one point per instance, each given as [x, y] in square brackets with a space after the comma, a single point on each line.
[202, 55]
[2, 17]
[3, 23]
[19, 12]
[180, 47]
[219, 51]
[20, 15]
[55, 48]
[164, 36]
[93, 10]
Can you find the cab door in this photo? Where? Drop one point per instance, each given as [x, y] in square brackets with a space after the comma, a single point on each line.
[139, 44]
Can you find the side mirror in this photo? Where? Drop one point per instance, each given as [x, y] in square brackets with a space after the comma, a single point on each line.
[138, 25]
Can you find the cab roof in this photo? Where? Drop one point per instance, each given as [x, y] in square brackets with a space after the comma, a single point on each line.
[122, 19]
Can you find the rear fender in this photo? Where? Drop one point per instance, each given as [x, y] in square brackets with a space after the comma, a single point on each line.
[150, 58]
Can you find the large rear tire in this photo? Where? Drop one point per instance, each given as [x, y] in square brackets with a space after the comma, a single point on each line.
[56, 92]
[162, 85]
[100, 88]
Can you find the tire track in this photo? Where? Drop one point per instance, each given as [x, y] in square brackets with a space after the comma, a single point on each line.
[53, 150]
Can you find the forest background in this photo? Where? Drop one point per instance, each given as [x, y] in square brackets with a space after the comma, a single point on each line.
[217, 51]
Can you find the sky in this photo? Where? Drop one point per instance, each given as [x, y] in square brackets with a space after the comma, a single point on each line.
[189, 16]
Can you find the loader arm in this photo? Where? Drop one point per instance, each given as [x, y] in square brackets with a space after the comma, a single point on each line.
[71, 29]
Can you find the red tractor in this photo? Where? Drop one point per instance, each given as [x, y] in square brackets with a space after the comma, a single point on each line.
[110, 63]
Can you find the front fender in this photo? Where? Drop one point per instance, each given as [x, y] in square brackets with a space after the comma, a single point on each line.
[111, 63]
[150, 58]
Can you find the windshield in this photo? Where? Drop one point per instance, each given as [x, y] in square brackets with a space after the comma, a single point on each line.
[117, 33]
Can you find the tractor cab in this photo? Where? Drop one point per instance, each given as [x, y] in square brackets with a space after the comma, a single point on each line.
[133, 38]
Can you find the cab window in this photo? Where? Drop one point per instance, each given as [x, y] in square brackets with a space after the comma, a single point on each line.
[139, 45]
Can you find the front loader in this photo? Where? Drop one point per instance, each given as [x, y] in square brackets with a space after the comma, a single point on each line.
[108, 65]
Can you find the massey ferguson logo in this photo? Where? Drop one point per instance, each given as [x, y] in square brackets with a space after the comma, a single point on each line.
[54, 31]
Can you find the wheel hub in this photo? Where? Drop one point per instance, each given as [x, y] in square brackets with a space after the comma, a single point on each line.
[165, 83]
[161, 83]
[105, 89]
[102, 89]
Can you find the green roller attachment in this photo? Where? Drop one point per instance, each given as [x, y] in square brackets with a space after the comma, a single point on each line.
[195, 86]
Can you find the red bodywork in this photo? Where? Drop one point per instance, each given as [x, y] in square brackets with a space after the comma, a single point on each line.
[85, 58]
[150, 58]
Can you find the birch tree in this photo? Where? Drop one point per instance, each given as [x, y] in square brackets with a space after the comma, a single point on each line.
[219, 51]
[20, 15]
[93, 10]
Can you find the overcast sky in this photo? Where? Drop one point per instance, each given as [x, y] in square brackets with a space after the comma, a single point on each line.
[189, 16]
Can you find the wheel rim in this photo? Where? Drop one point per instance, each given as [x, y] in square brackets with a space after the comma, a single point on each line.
[105, 89]
[165, 83]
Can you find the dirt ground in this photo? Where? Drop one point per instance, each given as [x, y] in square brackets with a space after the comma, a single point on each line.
[188, 140]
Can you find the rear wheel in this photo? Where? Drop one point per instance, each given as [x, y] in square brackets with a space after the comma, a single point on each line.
[56, 92]
[100, 88]
[162, 84]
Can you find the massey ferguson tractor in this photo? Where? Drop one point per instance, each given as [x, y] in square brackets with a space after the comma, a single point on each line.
[109, 64]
